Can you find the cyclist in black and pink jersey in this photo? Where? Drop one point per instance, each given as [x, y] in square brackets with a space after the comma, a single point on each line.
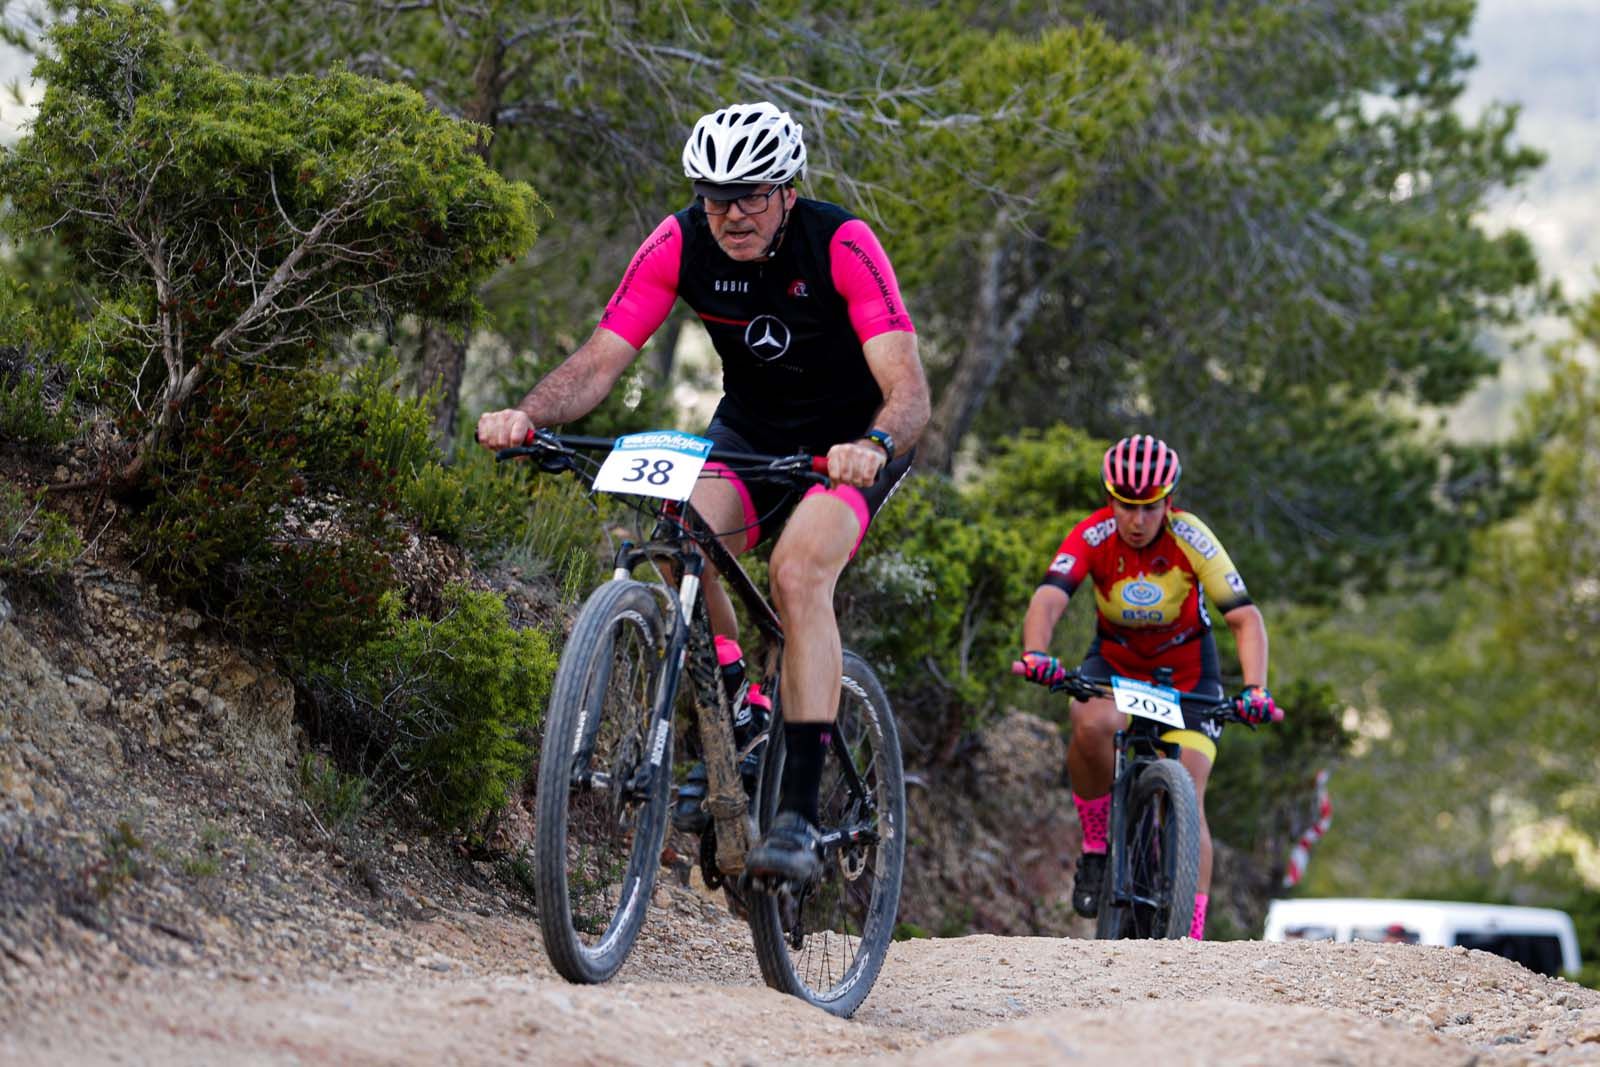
[1153, 567]
[818, 355]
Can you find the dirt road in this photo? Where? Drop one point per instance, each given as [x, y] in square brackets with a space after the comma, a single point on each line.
[462, 988]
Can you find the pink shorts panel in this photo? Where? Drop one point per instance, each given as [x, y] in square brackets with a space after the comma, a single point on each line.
[858, 503]
[751, 519]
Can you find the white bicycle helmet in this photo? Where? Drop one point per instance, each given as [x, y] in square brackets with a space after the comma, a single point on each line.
[744, 145]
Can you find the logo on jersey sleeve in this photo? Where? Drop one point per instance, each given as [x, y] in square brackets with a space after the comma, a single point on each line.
[767, 337]
[1235, 582]
[1202, 544]
[1063, 564]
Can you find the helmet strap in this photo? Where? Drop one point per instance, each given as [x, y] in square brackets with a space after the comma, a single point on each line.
[783, 225]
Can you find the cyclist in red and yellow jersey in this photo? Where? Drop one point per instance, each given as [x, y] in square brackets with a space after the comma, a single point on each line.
[1154, 568]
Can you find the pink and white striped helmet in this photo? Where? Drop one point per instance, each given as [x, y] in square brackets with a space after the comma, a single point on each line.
[1140, 469]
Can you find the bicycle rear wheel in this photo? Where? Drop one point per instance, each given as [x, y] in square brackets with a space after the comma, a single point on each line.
[1160, 853]
[827, 945]
[603, 782]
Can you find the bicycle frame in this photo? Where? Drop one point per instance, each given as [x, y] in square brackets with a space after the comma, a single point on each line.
[1137, 746]
[680, 526]
[679, 531]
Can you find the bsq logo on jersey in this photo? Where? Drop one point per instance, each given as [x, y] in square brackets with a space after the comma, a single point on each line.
[767, 337]
[1141, 594]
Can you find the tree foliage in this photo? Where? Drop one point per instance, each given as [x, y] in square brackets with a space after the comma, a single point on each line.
[225, 218]
[929, 119]
[1474, 763]
[1283, 259]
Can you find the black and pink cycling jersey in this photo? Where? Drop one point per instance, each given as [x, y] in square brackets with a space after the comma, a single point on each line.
[789, 329]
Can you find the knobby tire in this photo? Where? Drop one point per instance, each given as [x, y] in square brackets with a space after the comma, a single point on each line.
[1160, 850]
[847, 918]
[598, 839]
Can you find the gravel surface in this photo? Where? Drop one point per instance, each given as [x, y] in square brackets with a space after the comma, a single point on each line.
[460, 987]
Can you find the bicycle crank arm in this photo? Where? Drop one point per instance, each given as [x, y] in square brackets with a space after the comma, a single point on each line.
[849, 835]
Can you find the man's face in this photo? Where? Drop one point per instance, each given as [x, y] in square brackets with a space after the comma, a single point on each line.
[744, 235]
[1138, 524]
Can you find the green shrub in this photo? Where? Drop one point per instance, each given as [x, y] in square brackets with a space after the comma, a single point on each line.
[476, 503]
[937, 596]
[37, 391]
[362, 433]
[560, 536]
[336, 798]
[445, 711]
[36, 399]
[267, 512]
[34, 542]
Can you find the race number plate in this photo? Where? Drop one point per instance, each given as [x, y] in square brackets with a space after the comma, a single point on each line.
[662, 463]
[1158, 702]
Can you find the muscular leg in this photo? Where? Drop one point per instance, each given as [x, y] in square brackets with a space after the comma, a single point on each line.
[806, 563]
[1091, 757]
[719, 504]
[1199, 767]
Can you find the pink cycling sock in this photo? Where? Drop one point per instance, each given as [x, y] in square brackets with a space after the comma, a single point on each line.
[728, 650]
[1197, 927]
[1095, 818]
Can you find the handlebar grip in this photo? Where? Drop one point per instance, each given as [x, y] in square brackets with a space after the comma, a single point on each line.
[819, 464]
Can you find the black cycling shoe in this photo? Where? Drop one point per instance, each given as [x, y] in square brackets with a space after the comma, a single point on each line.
[689, 813]
[1087, 885]
[792, 850]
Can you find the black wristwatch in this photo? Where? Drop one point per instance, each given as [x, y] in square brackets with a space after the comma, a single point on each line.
[882, 439]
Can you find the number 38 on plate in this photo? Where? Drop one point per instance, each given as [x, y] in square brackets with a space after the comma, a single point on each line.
[663, 463]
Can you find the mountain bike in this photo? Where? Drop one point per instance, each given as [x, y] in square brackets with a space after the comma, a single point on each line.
[637, 650]
[1153, 861]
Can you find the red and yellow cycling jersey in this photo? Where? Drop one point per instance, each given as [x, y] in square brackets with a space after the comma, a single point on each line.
[1151, 600]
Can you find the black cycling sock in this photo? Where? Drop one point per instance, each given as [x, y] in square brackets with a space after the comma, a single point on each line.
[802, 767]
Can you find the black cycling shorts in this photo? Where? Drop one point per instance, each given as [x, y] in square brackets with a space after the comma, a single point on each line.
[767, 505]
[1210, 684]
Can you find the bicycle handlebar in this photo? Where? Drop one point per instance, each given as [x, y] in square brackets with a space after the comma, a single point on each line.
[1077, 684]
[545, 443]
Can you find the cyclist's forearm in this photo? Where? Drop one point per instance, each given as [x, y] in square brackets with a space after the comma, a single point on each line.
[1250, 635]
[580, 383]
[904, 415]
[898, 369]
[1044, 611]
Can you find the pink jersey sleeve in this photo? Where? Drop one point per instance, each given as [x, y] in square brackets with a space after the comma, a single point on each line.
[863, 276]
[649, 287]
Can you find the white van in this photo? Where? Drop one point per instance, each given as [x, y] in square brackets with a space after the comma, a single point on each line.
[1541, 939]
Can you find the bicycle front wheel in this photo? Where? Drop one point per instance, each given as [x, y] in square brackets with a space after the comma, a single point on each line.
[827, 944]
[603, 784]
[1160, 855]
